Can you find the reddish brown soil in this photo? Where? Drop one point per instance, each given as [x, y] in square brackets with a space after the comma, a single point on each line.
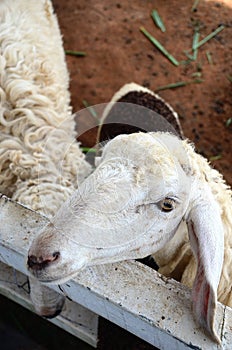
[118, 53]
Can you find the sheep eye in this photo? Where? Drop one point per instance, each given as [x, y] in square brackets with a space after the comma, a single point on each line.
[167, 205]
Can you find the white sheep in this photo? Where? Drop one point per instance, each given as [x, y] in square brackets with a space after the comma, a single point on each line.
[40, 161]
[148, 189]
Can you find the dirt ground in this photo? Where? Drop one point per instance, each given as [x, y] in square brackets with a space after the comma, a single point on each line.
[118, 53]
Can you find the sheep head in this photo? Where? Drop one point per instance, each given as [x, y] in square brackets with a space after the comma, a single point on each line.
[144, 185]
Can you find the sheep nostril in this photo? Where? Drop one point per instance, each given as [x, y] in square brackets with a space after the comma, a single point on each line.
[39, 263]
[56, 255]
[31, 261]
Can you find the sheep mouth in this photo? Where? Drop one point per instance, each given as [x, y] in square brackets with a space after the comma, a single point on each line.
[38, 273]
[46, 278]
[57, 280]
[35, 266]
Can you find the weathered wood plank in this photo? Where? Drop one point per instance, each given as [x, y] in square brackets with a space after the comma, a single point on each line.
[130, 294]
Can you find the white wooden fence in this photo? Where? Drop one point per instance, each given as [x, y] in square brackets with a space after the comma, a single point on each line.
[129, 294]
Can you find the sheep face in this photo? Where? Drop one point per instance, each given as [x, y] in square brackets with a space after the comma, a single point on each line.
[129, 207]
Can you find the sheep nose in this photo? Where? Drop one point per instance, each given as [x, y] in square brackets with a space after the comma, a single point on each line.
[39, 263]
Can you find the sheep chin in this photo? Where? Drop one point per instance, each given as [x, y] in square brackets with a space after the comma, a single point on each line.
[49, 277]
[58, 280]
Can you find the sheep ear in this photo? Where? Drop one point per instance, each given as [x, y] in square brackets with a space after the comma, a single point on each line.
[207, 241]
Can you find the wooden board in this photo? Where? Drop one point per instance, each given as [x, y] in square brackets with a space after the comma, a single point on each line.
[130, 294]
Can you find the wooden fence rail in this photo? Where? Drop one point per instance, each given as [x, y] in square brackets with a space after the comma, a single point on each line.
[129, 294]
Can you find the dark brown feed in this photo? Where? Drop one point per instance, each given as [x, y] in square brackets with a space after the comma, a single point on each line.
[126, 117]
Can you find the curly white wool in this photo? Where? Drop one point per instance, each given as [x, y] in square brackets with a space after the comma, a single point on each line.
[40, 161]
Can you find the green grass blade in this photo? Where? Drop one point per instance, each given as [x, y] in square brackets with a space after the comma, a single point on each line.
[186, 62]
[190, 57]
[88, 149]
[91, 109]
[75, 53]
[196, 37]
[229, 122]
[158, 20]
[195, 4]
[178, 84]
[210, 36]
[196, 74]
[159, 46]
[217, 157]
[209, 57]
